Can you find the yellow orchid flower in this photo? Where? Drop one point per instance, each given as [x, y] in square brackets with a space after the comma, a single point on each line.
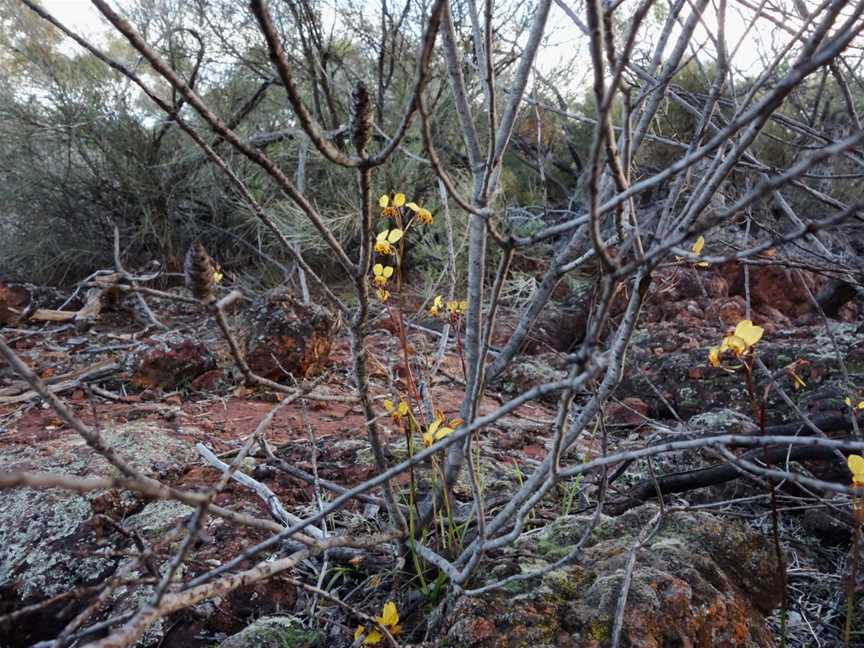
[384, 241]
[218, 276]
[389, 619]
[390, 208]
[423, 214]
[396, 411]
[744, 338]
[381, 274]
[856, 467]
[697, 250]
[749, 332]
[437, 305]
[383, 294]
[457, 308]
[435, 432]
[859, 406]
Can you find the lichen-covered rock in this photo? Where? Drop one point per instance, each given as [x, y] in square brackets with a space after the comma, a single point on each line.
[52, 541]
[171, 361]
[273, 632]
[528, 372]
[699, 581]
[289, 338]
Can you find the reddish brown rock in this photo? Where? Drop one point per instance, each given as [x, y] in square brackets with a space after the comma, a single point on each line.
[171, 361]
[731, 311]
[13, 300]
[289, 338]
[630, 411]
[209, 381]
[774, 286]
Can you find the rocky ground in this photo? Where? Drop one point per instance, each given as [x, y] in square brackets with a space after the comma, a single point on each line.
[708, 577]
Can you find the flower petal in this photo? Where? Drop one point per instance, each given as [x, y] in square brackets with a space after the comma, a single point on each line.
[748, 332]
[389, 615]
[387, 272]
[378, 269]
[714, 356]
[399, 200]
[698, 245]
[413, 206]
[383, 201]
[737, 344]
[443, 432]
[856, 466]
[394, 235]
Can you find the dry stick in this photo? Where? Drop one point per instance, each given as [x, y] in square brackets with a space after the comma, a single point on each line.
[451, 274]
[207, 149]
[295, 472]
[277, 511]
[621, 606]
[118, 265]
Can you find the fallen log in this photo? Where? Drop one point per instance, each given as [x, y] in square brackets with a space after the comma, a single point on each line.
[62, 383]
[689, 480]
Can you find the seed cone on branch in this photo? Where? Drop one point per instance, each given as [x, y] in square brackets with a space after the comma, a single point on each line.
[361, 120]
[199, 270]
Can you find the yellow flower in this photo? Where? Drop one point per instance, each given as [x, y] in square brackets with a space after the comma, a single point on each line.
[383, 294]
[745, 337]
[218, 276]
[435, 432]
[856, 467]
[381, 275]
[859, 406]
[437, 305]
[457, 307]
[396, 411]
[390, 209]
[385, 239]
[748, 332]
[423, 214]
[697, 250]
[389, 619]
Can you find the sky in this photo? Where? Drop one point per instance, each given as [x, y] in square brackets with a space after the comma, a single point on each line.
[79, 15]
[566, 39]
